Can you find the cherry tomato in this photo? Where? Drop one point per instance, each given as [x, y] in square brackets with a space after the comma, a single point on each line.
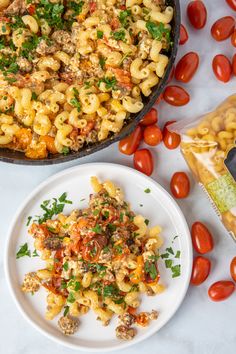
[91, 251]
[222, 67]
[223, 28]
[234, 64]
[221, 290]
[176, 96]
[170, 139]
[232, 4]
[31, 9]
[201, 270]
[201, 238]
[233, 38]
[197, 14]
[150, 118]
[186, 67]
[143, 161]
[130, 144]
[152, 135]
[180, 185]
[183, 35]
[233, 269]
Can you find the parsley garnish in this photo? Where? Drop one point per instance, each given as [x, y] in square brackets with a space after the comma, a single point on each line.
[176, 271]
[75, 103]
[23, 251]
[119, 249]
[71, 298]
[158, 31]
[146, 221]
[76, 7]
[106, 249]
[35, 254]
[52, 13]
[123, 17]
[111, 227]
[177, 254]
[147, 190]
[62, 199]
[29, 46]
[118, 35]
[168, 263]
[106, 214]
[110, 82]
[99, 34]
[97, 229]
[121, 218]
[110, 290]
[102, 62]
[170, 250]
[17, 22]
[150, 268]
[65, 266]
[52, 208]
[65, 150]
[34, 96]
[66, 310]
[28, 220]
[96, 212]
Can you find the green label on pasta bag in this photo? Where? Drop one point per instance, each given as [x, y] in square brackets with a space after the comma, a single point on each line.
[223, 192]
[230, 162]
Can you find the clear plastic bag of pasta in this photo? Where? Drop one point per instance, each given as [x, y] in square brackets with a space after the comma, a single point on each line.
[209, 147]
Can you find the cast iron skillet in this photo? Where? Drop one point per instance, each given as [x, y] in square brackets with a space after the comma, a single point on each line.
[17, 157]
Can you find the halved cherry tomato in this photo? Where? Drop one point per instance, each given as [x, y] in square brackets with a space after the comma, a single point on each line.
[234, 64]
[183, 35]
[232, 4]
[233, 38]
[170, 139]
[186, 67]
[201, 238]
[197, 14]
[201, 270]
[221, 290]
[92, 250]
[176, 96]
[180, 185]
[31, 9]
[223, 28]
[92, 6]
[222, 67]
[130, 144]
[150, 118]
[143, 161]
[152, 135]
[233, 269]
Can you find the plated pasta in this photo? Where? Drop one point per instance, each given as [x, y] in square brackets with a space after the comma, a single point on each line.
[101, 258]
[73, 72]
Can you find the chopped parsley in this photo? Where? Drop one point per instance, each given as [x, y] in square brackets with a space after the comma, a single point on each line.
[28, 46]
[119, 35]
[52, 13]
[65, 266]
[23, 251]
[176, 271]
[96, 212]
[170, 250]
[102, 62]
[150, 268]
[66, 310]
[110, 290]
[34, 96]
[106, 249]
[71, 298]
[76, 103]
[123, 17]
[147, 190]
[76, 7]
[97, 229]
[99, 34]
[106, 214]
[51, 208]
[168, 263]
[65, 150]
[118, 249]
[146, 221]
[111, 227]
[62, 199]
[87, 85]
[158, 31]
[177, 254]
[35, 254]
[17, 22]
[121, 218]
[109, 81]
[28, 220]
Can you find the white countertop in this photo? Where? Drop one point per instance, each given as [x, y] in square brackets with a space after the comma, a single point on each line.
[199, 326]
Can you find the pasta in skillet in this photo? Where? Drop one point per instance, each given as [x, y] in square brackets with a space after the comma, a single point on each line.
[100, 258]
[73, 72]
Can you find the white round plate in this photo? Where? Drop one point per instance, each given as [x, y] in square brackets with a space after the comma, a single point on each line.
[157, 206]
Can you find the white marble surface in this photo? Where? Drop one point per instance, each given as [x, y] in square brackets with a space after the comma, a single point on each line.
[199, 325]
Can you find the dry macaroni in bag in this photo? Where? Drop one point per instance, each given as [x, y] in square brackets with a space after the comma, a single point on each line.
[208, 146]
